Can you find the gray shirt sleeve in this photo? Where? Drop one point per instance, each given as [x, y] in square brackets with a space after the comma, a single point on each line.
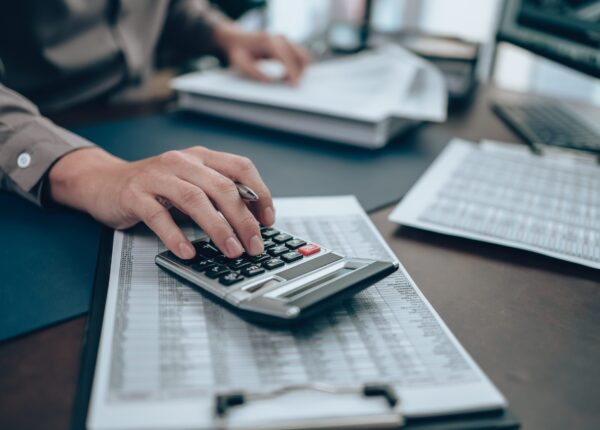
[29, 145]
[189, 29]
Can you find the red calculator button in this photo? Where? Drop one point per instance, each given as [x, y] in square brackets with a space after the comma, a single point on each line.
[309, 249]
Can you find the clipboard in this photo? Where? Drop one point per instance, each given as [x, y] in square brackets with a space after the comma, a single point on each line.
[387, 405]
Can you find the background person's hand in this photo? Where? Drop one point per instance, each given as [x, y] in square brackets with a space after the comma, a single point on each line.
[197, 181]
[244, 48]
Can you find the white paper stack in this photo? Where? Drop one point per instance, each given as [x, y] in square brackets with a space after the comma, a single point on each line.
[361, 100]
[505, 194]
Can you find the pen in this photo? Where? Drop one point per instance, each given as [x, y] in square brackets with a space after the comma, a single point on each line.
[246, 192]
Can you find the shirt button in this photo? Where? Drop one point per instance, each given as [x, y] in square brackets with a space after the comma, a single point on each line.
[24, 160]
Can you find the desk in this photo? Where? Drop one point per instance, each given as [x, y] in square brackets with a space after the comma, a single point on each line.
[532, 323]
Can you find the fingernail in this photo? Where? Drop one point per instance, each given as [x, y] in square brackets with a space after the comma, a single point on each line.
[269, 216]
[233, 247]
[256, 246]
[186, 250]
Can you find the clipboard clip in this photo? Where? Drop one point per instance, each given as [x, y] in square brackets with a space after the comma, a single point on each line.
[390, 417]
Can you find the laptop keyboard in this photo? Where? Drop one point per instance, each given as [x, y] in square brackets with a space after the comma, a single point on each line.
[549, 124]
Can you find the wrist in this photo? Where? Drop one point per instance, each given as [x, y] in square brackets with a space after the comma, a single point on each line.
[77, 179]
[225, 34]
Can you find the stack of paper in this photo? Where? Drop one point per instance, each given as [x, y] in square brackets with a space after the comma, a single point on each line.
[503, 193]
[362, 100]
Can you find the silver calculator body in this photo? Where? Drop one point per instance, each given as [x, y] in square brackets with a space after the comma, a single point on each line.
[290, 281]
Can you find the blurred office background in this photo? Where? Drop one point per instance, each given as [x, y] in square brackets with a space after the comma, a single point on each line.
[513, 68]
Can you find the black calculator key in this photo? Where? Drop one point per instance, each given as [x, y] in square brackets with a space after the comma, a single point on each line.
[291, 256]
[216, 271]
[273, 263]
[221, 259]
[238, 263]
[282, 238]
[295, 243]
[201, 266]
[268, 233]
[206, 250]
[269, 243]
[181, 260]
[278, 250]
[230, 279]
[260, 257]
[253, 270]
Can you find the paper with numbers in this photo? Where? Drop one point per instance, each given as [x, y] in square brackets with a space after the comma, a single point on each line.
[503, 193]
[165, 349]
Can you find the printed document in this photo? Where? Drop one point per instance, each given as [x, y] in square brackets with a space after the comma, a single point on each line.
[503, 193]
[165, 349]
[371, 86]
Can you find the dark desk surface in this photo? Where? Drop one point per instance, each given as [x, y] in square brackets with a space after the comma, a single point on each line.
[531, 322]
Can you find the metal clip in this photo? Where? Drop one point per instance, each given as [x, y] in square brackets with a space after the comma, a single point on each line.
[224, 402]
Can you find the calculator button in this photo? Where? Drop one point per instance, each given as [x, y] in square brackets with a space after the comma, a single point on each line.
[282, 238]
[175, 258]
[273, 263]
[295, 243]
[260, 258]
[230, 279]
[269, 243]
[309, 249]
[268, 233]
[216, 271]
[206, 250]
[291, 256]
[203, 265]
[221, 259]
[278, 250]
[252, 270]
[237, 263]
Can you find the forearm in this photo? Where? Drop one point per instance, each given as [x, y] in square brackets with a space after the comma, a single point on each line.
[76, 180]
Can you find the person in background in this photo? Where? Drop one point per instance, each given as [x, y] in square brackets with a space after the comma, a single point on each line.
[57, 54]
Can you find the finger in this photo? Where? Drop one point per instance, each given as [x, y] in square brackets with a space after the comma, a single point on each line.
[158, 218]
[280, 50]
[242, 169]
[192, 201]
[244, 62]
[301, 55]
[195, 202]
[224, 194]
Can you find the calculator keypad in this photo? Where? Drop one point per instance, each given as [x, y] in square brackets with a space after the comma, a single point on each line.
[280, 249]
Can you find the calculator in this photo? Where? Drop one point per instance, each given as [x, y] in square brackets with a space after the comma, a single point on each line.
[292, 279]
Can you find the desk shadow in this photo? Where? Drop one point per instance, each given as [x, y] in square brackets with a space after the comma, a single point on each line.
[491, 251]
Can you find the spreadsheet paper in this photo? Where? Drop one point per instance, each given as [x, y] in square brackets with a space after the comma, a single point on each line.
[165, 349]
[503, 193]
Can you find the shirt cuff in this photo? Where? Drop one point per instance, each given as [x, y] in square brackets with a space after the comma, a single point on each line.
[30, 152]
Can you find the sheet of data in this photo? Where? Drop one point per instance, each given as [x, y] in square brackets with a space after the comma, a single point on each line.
[504, 194]
[169, 342]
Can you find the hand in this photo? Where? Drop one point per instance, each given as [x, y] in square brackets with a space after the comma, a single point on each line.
[244, 48]
[197, 181]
